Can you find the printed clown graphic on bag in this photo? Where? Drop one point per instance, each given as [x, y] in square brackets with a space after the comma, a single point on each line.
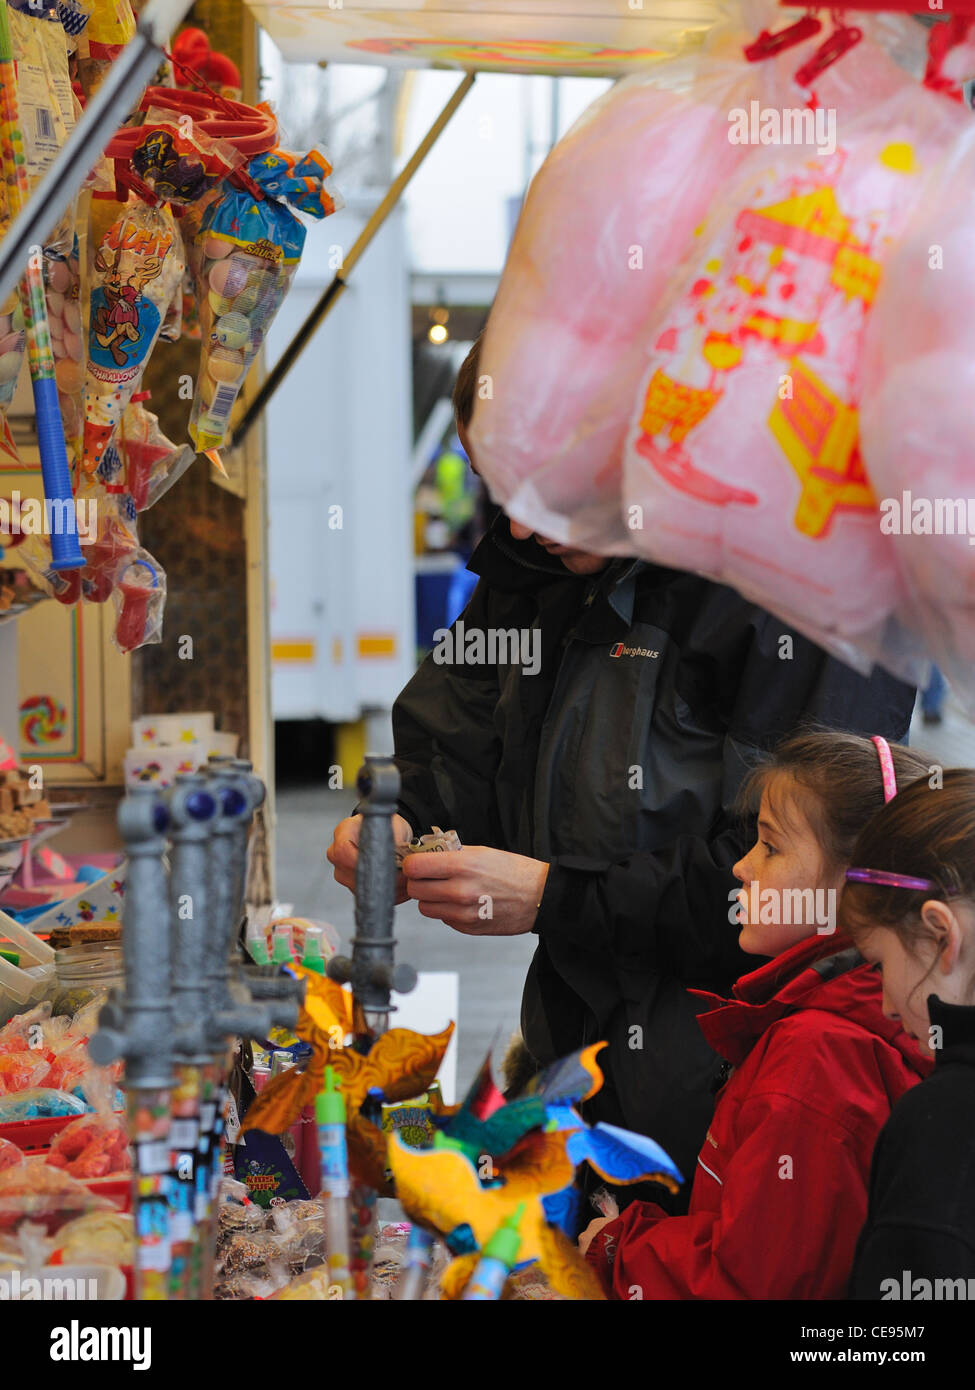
[791, 291]
[743, 453]
[122, 319]
[137, 266]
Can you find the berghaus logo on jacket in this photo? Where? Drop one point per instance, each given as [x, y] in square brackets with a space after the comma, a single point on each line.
[621, 649]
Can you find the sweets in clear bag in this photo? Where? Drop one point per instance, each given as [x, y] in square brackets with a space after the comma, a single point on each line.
[140, 597]
[62, 283]
[250, 248]
[13, 346]
[101, 39]
[136, 267]
[150, 463]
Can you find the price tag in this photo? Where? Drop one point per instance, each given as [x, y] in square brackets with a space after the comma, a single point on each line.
[153, 1157]
[233, 1122]
[184, 1133]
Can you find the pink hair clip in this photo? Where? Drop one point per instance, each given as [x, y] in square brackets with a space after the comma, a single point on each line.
[886, 767]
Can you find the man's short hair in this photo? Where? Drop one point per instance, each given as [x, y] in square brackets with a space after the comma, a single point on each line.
[466, 384]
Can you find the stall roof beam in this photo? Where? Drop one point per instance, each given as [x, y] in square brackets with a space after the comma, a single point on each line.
[593, 38]
[108, 108]
[332, 292]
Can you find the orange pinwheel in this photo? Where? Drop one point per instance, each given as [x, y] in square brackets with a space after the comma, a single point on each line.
[402, 1064]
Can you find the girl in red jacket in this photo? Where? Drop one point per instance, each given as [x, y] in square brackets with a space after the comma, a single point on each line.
[780, 1190]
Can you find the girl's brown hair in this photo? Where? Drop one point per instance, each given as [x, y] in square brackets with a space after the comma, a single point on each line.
[842, 773]
[925, 832]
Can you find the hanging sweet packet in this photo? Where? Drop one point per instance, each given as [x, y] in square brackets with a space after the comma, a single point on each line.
[743, 459]
[136, 266]
[151, 463]
[139, 597]
[917, 418]
[13, 346]
[250, 248]
[171, 157]
[101, 40]
[44, 97]
[62, 285]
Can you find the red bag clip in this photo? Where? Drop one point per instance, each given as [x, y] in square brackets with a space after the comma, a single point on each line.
[767, 44]
[840, 41]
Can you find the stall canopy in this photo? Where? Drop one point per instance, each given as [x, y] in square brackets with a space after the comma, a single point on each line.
[586, 37]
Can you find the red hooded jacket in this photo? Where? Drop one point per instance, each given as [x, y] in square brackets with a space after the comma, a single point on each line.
[780, 1191]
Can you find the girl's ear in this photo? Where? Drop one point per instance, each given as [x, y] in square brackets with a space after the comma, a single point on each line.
[945, 932]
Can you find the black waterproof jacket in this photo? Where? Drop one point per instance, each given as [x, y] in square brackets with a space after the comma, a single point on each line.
[618, 764]
[919, 1237]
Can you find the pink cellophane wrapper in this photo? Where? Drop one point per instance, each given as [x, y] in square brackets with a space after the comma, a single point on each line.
[607, 219]
[918, 416]
[743, 459]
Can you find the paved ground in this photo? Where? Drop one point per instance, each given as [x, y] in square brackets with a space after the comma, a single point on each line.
[491, 969]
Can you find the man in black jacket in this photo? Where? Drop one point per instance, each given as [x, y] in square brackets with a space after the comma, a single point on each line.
[585, 730]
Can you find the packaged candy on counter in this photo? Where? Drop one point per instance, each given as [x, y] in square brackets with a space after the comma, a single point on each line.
[10, 1155]
[40, 1103]
[90, 1147]
[21, 1071]
[137, 265]
[247, 1254]
[299, 1231]
[250, 248]
[37, 1192]
[100, 1237]
[239, 1287]
[95, 1145]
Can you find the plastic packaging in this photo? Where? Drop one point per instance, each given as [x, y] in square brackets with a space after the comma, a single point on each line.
[13, 347]
[98, 1238]
[93, 1146]
[592, 256]
[743, 461]
[250, 248]
[152, 463]
[39, 1103]
[45, 1195]
[82, 973]
[137, 265]
[917, 417]
[10, 1155]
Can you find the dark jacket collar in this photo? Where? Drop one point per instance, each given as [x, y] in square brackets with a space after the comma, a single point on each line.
[511, 564]
[957, 1024]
